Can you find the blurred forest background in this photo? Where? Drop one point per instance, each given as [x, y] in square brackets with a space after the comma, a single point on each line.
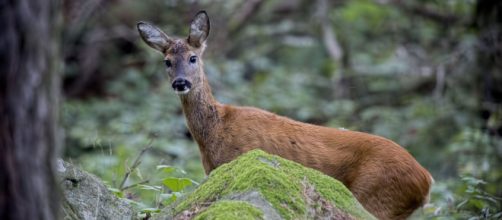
[426, 74]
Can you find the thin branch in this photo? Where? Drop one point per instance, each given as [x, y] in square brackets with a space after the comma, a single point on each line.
[243, 15]
[440, 82]
[328, 33]
[135, 184]
[136, 163]
[425, 12]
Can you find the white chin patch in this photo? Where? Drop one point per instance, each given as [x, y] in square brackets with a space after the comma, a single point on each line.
[182, 92]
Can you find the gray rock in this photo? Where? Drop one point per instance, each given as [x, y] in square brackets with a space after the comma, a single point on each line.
[86, 197]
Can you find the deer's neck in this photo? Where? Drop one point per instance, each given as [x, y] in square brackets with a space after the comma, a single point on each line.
[199, 107]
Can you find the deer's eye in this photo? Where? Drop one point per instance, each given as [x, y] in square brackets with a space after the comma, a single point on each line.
[193, 59]
[168, 63]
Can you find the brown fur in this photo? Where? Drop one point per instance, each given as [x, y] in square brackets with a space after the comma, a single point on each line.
[383, 176]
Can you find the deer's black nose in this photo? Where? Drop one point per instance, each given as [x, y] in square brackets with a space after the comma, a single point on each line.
[181, 85]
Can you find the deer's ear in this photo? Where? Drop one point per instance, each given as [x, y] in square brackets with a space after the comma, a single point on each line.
[153, 36]
[199, 29]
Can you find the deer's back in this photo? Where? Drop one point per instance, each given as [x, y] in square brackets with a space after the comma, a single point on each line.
[372, 167]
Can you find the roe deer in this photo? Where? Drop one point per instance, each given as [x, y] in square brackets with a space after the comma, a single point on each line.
[382, 175]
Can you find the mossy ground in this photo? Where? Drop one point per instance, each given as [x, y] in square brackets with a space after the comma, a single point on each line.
[280, 181]
[230, 210]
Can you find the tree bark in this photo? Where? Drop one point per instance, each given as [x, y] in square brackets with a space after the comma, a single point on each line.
[488, 22]
[29, 91]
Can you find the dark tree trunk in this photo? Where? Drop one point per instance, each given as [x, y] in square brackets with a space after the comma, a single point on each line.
[488, 21]
[29, 91]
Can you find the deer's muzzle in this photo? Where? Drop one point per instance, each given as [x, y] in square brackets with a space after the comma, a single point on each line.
[181, 86]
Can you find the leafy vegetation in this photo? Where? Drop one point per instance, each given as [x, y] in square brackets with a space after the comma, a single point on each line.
[423, 73]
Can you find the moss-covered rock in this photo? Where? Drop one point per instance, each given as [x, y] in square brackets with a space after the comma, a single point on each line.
[228, 209]
[268, 187]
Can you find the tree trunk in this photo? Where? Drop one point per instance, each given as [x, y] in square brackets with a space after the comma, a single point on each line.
[488, 21]
[29, 91]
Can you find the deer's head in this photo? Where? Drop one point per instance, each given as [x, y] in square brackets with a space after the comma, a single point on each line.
[181, 55]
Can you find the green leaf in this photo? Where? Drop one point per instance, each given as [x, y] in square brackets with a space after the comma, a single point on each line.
[462, 204]
[150, 210]
[138, 173]
[195, 182]
[497, 215]
[177, 184]
[117, 192]
[166, 168]
[169, 198]
[153, 188]
[133, 203]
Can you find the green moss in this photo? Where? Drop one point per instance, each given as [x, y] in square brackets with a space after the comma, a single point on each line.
[280, 181]
[227, 209]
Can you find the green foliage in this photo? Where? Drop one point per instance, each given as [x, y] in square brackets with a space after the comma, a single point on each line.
[177, 184]
[470, 200]
[479, 202]
[150, 195]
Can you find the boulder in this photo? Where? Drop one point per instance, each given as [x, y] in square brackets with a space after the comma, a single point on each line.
[85, 197]
[258, 185]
